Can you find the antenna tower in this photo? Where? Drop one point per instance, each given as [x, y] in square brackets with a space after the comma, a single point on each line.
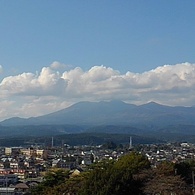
[130, 142]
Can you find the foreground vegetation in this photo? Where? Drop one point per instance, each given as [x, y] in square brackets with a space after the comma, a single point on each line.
[131, 174]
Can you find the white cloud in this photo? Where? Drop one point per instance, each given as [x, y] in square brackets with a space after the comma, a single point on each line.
[49, 90]
[4, 106]
[47, 82]
[60, 66]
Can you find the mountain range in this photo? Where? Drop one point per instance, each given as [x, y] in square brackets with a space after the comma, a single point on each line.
[107, 117]
[112, 113]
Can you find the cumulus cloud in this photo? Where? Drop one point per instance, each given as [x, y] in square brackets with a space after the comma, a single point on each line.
[4, 105]
[60, 66]
[47, 82]
[49, 90]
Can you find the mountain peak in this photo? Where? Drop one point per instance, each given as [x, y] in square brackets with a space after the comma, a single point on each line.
[152, 103]
[111, 112]
[153, 106]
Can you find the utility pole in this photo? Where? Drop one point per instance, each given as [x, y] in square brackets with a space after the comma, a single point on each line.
[52, 142]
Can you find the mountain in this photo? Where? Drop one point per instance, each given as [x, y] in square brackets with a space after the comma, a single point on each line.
[38, 130]
[90, 114]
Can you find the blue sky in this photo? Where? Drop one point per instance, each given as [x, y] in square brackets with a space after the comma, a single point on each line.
[128, 36]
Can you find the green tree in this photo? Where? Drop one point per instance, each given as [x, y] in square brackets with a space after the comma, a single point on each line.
[132, 162]
[116, 178]
[185, 169]
[52, 178]
[109, 145]
[55, 177]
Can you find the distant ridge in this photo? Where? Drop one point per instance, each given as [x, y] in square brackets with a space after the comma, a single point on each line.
[112, 113]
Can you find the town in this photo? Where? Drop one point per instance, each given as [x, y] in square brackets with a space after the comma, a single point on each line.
[22, 168]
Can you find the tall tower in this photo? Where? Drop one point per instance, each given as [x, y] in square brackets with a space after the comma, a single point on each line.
[130, 142]
[52, 142]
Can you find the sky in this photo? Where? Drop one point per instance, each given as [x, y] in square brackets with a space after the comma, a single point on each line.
[57, 53]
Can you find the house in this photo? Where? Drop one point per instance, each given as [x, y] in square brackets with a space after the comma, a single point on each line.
[7, 179]
[76, 172]
[28, 152]
[21, 188]
[7, 191]
[21, 173]
[41, 153]
[86, 161]
[8, 151]
[14, 165]
[55, 162]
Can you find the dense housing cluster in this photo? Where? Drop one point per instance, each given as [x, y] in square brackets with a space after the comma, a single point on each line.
[21, 168]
